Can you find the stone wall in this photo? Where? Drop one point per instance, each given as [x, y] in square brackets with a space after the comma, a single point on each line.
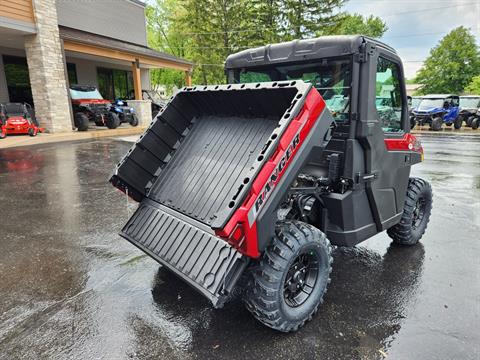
[46, 69]
[143, 108]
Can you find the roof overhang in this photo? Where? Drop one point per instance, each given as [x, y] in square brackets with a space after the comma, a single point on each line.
[96, 45]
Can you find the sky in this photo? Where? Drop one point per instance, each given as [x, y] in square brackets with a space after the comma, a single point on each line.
[415, 26]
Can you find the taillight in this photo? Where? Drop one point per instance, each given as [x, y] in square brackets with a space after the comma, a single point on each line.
[406, 143]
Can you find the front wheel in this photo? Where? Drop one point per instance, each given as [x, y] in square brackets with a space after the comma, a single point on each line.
[416, 213]
[475, 123]
[81, 121]
[469, 120]
[291, 277]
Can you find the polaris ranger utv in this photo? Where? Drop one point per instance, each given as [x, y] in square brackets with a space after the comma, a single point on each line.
[254, 180]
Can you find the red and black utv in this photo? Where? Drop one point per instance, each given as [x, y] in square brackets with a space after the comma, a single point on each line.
[255, 180]
[89, 105]
[18, 119]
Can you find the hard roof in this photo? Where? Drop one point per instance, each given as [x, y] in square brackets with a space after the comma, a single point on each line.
[438, 96]
[301, 50]
[470, 96]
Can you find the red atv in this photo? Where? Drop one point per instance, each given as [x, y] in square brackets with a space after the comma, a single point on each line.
[16, 118]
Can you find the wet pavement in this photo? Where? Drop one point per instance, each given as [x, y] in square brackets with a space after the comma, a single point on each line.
[71, 288]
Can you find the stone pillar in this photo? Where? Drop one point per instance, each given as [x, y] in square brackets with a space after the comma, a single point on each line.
[143, 108]
[46, 69]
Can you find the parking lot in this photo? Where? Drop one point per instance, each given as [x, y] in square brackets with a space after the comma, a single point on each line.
[71, 288]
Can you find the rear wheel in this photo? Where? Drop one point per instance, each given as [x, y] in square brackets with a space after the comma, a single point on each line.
[134, 120]
[113, 121]
[81, 121]
[436, 124]
[475, 123]
[416, 213]
[457, 124]
[291, 277]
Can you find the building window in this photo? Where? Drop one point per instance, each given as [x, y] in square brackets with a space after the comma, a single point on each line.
[72, 74]
[115, 84]
[18, 80]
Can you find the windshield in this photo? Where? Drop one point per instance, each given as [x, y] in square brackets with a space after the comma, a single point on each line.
[469, 103]
[79, 94]
[430, 103]
[415, 102]
[151, 95]
[331, 77]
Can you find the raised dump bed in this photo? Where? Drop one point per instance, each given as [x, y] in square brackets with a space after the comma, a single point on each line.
[210, 152]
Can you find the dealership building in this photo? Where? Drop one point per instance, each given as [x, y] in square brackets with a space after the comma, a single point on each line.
[48, 45]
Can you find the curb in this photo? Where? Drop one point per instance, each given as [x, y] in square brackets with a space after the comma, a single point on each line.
[25, 140]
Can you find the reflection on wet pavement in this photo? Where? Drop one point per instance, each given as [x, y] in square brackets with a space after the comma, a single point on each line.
[71, 288]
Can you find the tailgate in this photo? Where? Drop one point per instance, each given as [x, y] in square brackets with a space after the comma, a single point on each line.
[206, 262]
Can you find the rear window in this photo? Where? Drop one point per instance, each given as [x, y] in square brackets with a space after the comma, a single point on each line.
[331, 77]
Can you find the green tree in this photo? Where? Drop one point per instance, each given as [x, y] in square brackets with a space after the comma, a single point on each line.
[308, 18]
[207, 31]
[451, 64]
[474, 86]
[356, 24]
[163, 35]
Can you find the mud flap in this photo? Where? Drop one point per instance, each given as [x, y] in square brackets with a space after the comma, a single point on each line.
[188, 249]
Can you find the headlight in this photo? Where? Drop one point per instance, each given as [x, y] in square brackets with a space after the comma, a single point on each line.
[132, 110]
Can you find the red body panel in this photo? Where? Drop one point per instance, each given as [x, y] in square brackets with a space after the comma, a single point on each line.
[269, 176]
[90, 101]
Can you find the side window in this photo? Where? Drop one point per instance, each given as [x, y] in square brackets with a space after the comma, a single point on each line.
[388, 95]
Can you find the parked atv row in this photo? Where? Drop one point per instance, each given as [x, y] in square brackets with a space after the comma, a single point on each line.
[89, 105]
[17, 119]
[438, 109]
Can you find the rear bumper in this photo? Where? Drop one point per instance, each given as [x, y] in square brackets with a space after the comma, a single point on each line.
[187, 248]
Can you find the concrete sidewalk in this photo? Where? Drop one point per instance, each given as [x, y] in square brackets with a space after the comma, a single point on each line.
[25, 140]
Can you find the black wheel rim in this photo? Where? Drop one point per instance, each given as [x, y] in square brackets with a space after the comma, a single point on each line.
[418, 213]
[301, 279]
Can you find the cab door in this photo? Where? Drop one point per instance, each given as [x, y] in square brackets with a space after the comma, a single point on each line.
[383, 113]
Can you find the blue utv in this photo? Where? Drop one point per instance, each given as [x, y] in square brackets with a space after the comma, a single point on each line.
[125, 113]
[437, 110]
